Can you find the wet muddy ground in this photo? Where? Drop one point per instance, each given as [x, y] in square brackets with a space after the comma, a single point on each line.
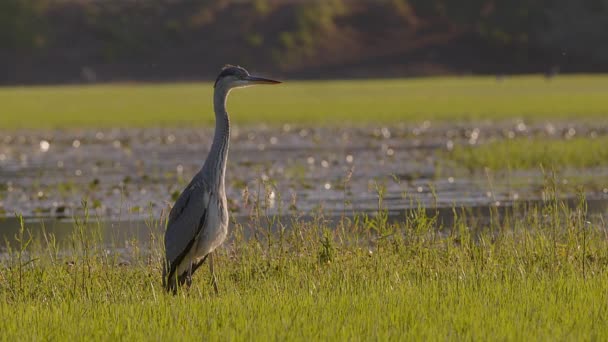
[130, 175]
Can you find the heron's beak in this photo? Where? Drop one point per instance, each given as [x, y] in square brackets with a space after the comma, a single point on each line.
[260, 80]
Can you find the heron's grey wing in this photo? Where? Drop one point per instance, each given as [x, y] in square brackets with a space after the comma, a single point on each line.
[186, 219]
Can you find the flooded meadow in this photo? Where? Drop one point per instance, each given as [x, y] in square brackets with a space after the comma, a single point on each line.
[126, 178]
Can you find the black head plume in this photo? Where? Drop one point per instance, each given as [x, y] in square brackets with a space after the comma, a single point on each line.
[231, 70]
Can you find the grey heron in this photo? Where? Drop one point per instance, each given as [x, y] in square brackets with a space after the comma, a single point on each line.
[198, 222]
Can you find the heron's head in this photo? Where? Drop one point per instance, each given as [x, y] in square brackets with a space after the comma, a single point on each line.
[237, 77]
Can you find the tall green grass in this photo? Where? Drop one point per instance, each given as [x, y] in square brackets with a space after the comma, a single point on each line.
[314, 102]
[533, 273]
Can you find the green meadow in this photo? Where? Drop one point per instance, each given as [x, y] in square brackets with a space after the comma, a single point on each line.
[312, 102]
[541, 276]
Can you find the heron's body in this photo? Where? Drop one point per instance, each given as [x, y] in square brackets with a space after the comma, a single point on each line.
[212, 233]
[198, 222]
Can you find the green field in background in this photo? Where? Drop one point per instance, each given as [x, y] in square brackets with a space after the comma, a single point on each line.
[581, 97]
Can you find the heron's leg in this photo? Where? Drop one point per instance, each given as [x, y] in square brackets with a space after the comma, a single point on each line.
[212, 269]
[189, 276]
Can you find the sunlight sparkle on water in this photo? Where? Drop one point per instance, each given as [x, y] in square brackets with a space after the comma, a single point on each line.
[44, 145]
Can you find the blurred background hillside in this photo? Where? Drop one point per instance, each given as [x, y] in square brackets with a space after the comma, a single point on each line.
[67, 41]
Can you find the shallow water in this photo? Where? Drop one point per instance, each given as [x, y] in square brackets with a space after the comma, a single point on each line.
[129, 175]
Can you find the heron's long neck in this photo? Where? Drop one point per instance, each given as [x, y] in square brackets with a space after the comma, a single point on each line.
[215, 165]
